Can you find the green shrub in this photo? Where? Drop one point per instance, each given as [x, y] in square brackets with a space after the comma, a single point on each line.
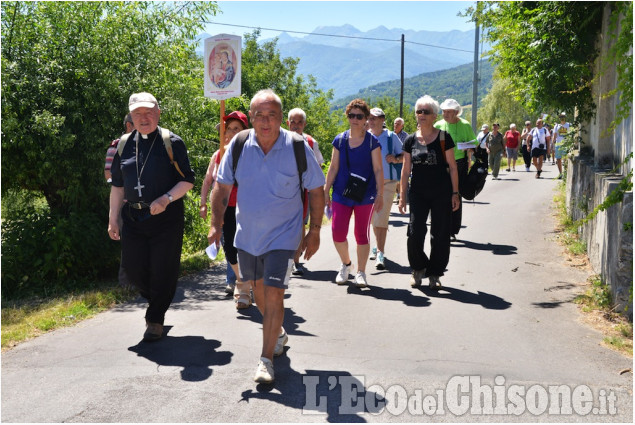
[43, 254]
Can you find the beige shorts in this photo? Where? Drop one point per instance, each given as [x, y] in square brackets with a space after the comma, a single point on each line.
[380, 218]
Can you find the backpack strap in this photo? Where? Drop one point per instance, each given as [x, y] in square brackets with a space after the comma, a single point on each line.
[165, 135]
[122, 142]
[300, 161]
[300, 155]
[389, 152]
[442, 136]
[239, 143]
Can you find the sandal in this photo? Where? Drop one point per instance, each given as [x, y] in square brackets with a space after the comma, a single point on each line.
[242, 301]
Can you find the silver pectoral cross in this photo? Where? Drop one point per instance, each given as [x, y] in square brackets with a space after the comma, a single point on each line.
[139, 186]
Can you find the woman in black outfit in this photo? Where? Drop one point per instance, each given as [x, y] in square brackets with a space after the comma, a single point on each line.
[433, 189]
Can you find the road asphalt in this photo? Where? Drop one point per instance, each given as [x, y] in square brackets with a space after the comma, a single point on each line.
[502, 342]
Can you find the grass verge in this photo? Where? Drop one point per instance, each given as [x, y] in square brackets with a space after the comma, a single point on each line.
[26, 319]
[596, 303]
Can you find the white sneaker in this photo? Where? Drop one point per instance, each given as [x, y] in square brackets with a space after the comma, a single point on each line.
[373, 253]
[379, 265]
[282, 339]
[360, 280]
[264, 371]
[342, 275]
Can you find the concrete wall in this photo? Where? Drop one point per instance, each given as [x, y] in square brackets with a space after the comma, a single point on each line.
[591, 177]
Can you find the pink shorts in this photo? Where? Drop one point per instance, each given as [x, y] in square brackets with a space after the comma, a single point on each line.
[341, 220]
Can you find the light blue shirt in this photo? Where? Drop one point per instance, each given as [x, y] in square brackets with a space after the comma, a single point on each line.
[268, 202]
[396, 150]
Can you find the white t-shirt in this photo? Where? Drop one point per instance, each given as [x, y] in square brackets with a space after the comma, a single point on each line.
[561, 130]
[482, 138]
[539, 136]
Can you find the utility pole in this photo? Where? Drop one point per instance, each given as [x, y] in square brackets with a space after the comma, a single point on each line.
[401, 93]
[475, 81]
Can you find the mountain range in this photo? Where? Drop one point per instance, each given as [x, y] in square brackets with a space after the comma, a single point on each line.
[455, 83]
[346, 59]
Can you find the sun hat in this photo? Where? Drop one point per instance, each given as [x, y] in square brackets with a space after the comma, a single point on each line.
[142, 100]
[451, 104]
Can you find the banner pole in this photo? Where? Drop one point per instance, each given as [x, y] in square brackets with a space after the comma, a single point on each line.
[222, 129]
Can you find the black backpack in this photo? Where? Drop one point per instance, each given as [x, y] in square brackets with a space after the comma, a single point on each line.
[475, 181]
[298, 152]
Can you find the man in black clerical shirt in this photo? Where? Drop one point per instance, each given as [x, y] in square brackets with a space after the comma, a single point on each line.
[147, 211]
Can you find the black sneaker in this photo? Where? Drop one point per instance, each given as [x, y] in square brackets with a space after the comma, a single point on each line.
[297, 269]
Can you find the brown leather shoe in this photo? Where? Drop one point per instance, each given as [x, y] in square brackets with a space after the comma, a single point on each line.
[154, 331]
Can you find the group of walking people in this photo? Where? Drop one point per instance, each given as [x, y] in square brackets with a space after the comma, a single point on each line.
[536, 145]
[267, 187]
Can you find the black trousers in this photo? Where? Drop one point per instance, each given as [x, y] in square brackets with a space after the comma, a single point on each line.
[457, 216]
[151, 254]
[440, 209]
[526, 155]
[229, 231]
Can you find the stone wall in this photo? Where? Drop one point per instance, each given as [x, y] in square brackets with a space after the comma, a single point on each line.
[591, 177]
[609, 236]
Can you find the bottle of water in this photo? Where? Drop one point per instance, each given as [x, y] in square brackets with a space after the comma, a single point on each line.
[328, 212]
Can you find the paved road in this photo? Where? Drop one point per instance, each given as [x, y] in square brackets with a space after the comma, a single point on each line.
[495, 346]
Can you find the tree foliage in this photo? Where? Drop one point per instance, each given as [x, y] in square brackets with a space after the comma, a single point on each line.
[501, 106]
[547, 48]
[68, 69]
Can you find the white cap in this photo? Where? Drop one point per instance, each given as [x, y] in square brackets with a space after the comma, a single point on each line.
[451, 104]
[142, 100]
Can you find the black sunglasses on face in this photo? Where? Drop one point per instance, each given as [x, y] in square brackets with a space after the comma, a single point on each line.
[423, 111]
[358, 116]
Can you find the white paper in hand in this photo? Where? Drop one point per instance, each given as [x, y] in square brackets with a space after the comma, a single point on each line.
[212, 251]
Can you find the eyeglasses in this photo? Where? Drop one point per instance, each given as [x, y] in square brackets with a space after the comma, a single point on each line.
[424, 112]
[356, 116]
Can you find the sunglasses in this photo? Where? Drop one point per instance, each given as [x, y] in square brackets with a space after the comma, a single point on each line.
[357, 116]
[424, 112]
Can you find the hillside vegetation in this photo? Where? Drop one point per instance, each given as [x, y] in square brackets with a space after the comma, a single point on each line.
[455, 83]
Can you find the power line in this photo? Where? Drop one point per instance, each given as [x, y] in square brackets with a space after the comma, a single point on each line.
[341, 36]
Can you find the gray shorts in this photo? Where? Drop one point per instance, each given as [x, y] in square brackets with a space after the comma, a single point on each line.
[273, 266]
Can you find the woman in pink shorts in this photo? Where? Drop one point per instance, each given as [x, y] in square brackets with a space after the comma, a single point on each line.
[356, 153]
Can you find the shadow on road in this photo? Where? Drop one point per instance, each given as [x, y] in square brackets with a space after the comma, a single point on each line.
[194, 354]
[291, 320]
[391, 268]
[496, 249]
[488, 301]
[335, 395]
[390, 294]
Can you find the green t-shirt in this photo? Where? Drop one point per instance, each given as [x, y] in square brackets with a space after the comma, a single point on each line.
[460, 132]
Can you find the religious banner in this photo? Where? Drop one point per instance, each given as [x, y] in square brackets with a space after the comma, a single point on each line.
[222, 66]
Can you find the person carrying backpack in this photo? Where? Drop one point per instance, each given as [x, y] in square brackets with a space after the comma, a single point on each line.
[150, 175]
[538, 139]
[268, 213]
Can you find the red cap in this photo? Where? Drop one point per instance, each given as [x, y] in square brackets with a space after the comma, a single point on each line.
[237, 115]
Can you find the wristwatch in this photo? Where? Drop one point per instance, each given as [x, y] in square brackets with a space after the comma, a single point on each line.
[170, 198]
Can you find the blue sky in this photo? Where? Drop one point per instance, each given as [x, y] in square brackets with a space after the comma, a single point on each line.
[305, 16]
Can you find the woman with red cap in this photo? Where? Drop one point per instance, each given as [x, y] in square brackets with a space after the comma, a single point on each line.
[234, 123]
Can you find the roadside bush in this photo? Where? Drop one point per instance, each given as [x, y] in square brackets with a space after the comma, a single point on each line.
[43, 254]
